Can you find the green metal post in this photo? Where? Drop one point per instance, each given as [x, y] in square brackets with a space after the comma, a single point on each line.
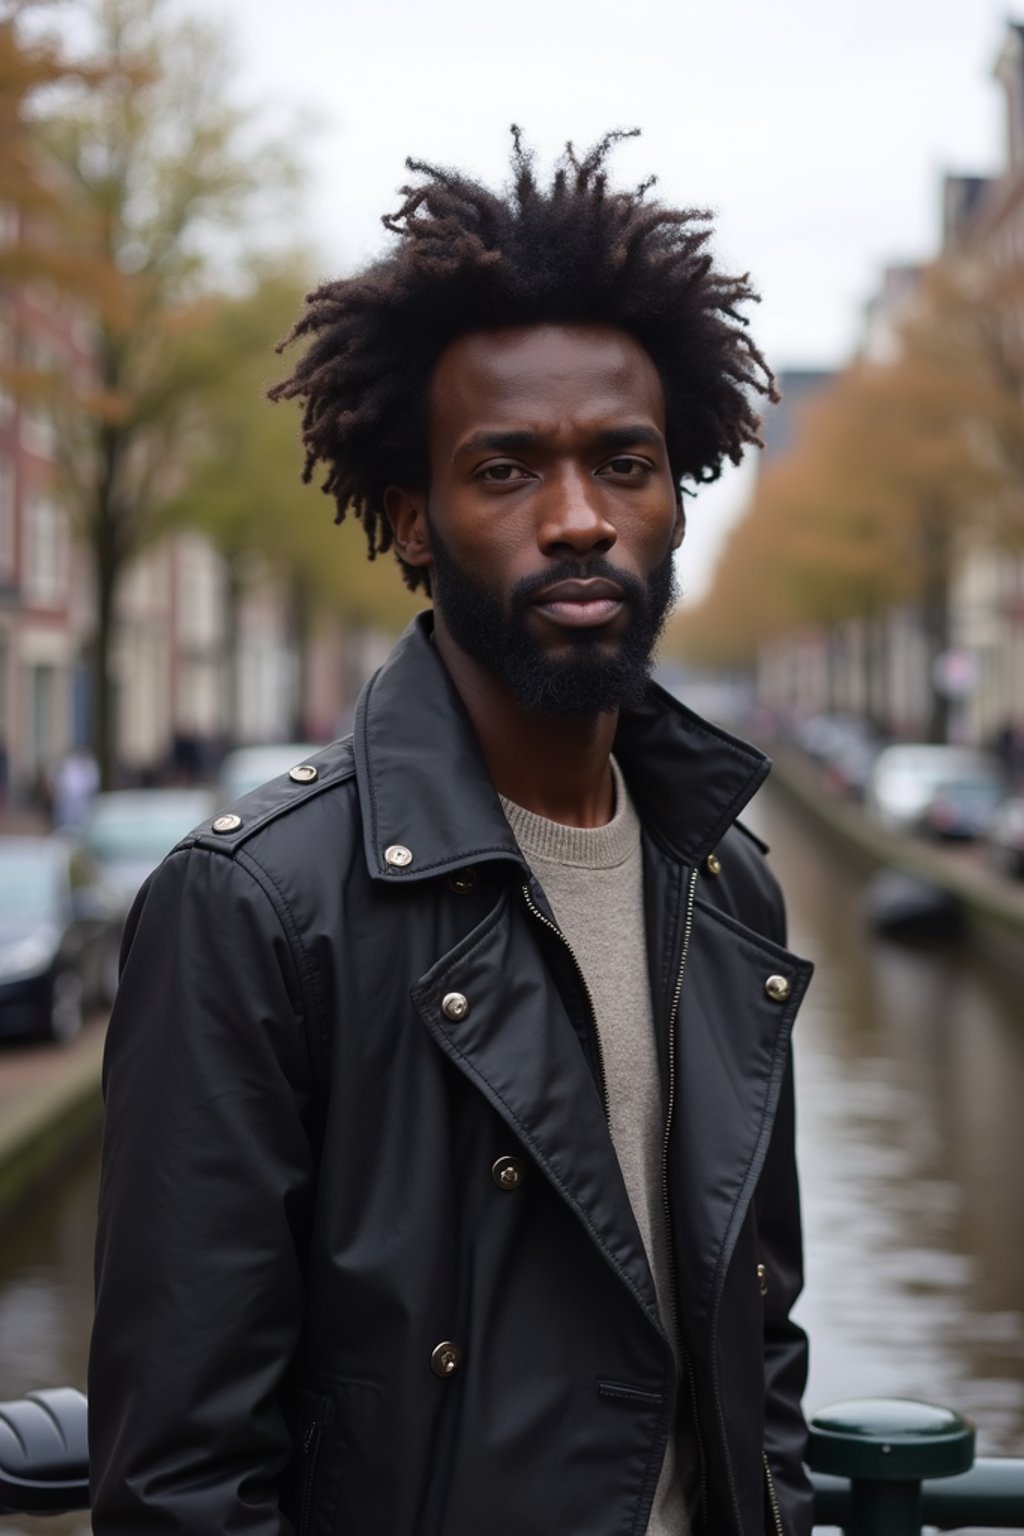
[887, 1447]
[884, 1509]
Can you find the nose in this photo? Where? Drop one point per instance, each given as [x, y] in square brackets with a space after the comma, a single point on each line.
[573, 520]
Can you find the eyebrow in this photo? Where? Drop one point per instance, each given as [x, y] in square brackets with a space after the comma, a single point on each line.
[633, 435]
[500, 442]
[636, 435]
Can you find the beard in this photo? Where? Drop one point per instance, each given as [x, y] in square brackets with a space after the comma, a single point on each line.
[592, 675]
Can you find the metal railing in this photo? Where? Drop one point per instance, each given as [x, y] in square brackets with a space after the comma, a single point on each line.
[888, 1466]
[880, 1467]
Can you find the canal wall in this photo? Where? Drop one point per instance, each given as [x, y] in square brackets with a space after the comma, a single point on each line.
[50, 1108]
[992, 905]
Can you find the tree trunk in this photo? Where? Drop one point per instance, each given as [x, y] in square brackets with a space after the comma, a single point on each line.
[876, 660]
[300, 630]
[230, 680]
[936, 612]
[107, 565]
[103, 519]
[835, 647]
[104, 692]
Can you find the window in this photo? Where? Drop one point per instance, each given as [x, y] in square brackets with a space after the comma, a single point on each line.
[45, 541]
[6, 518]
[6, 362]
[38, 432]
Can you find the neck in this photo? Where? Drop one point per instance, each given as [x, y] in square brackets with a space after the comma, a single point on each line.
[556, 766]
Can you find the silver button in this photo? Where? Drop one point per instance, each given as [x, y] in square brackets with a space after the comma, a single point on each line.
[507, 1172]
[304, 773]
[445, 1358]
[228, 823]
[454, 1005]
[777, 988]
[713, 864]
[762, 1279]
[397, 856]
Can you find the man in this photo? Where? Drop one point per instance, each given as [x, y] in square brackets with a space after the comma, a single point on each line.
[448, 1177]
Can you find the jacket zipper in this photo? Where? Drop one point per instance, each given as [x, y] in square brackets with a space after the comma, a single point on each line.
[595, 1032]
[673, 1301]
[687, 930]
[773, 1497]
[310, 1449]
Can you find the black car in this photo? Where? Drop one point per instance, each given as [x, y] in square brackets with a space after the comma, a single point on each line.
[59, 936]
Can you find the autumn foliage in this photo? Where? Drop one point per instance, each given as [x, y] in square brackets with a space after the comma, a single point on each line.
[898, 468]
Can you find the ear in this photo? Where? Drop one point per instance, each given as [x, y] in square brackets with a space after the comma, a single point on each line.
[407, 513]
[680, 525]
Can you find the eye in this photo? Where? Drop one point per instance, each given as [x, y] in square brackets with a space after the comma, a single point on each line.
[501, 474]
[628, 468]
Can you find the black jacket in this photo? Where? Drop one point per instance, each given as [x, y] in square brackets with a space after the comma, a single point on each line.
[320, 1165]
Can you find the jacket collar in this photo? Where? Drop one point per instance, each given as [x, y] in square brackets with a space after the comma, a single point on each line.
[424, 784]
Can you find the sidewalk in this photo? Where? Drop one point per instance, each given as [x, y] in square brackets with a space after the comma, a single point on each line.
[49, 1104]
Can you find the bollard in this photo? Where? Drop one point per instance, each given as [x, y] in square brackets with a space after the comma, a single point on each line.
[887, 1447]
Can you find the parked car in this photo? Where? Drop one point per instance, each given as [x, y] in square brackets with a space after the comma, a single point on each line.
[820, 736]
[247, 768]
[59, 936]
[963, 808]
[905, 779]
[1005, 836]
[128, 831]
[844, 746]
[848, 767]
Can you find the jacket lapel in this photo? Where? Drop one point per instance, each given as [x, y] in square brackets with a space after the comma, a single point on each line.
[732, 1045]
[515, 1042]
[424, 786]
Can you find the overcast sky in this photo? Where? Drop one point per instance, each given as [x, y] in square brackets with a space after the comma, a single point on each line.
[817, 129]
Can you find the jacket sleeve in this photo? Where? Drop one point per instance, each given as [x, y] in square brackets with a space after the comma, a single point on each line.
[780, 1242]
[206, 1183]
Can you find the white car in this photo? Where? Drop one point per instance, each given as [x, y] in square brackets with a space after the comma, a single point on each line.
[905, 779]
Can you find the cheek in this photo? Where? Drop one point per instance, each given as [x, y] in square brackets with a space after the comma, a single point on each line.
[492, 540]
[651, 534]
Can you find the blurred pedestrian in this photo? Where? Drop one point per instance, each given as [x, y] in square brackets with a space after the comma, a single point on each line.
[1009, 748]
[448, 1178]
[76, 779]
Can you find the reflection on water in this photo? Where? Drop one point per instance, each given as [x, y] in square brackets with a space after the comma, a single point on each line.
[46, 1286]
[911, 1105]
[46, 1305]
[911, 1087]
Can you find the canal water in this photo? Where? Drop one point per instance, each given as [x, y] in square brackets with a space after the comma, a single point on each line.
[910, 1100]
[911, 1128]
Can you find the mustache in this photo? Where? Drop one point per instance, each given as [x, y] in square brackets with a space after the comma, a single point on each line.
[523, 593]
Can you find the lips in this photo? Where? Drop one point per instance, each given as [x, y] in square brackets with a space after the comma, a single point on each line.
[580, 604]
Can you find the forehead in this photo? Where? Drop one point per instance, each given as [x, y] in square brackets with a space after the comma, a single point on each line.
[543, 377]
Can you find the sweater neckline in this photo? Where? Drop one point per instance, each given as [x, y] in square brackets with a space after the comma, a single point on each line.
[585, 847]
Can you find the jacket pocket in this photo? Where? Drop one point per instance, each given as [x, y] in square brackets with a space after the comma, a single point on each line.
[311, 1418]
[622, 1392]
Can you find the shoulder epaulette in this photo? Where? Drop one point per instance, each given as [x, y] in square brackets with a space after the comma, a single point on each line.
[235, 824]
